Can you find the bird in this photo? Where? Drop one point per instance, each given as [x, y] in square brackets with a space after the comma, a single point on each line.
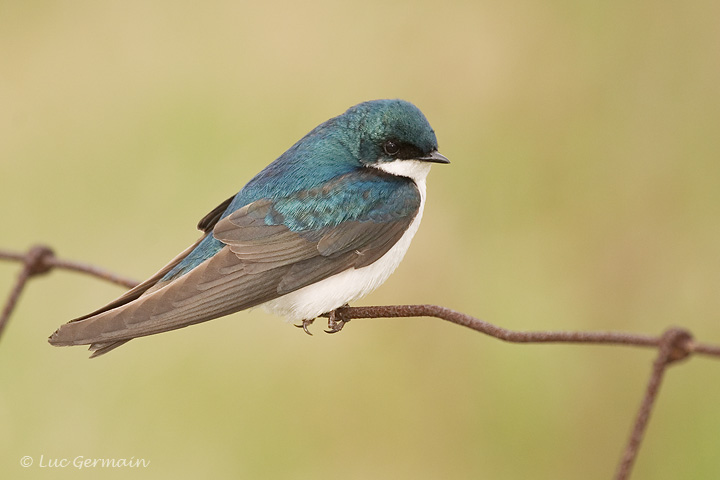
[323, 225]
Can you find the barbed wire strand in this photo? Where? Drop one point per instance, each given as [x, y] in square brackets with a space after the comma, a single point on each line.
[513, 336]
[39, 260]
[673, 345]
[32, 266]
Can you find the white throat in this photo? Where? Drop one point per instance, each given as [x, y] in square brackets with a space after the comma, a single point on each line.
[414, 169]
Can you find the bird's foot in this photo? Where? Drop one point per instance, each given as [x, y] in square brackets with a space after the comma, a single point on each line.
[305, 324]
[336, 322]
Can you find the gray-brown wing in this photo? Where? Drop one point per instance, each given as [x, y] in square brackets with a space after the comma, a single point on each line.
[215, 288]
[138, 290]
[206, 224]
[259, 263]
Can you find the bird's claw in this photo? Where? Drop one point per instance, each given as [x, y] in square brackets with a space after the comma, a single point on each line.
[335, 322]
[305, 324]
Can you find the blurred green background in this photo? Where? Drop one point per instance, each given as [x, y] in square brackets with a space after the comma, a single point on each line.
[584, 194]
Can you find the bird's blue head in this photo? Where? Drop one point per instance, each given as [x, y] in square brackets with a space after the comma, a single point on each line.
[382, 131]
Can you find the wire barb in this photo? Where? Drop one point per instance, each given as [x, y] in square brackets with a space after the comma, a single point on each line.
[36, 262]
[674, 346]
[40, 260]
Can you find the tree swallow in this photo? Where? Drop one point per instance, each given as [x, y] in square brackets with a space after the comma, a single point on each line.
[323, 225]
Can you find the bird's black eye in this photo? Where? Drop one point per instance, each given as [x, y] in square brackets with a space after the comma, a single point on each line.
[391, 147]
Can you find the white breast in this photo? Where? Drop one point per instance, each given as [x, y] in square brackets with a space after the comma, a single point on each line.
[333, 292]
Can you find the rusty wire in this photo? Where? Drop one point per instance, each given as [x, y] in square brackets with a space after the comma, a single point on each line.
[512, 336]
[39, 260]
[673, 345]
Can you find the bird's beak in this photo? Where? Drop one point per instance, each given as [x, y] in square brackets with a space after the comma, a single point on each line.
[434, 157]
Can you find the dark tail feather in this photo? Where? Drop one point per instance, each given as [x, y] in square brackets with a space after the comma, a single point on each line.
[103, 348]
